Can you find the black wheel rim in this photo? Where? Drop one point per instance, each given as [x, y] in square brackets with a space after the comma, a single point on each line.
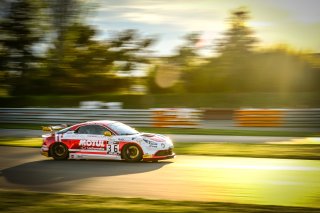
[60, 150]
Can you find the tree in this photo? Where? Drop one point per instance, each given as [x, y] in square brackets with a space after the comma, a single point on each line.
[129, 46]
[130, 52]
[62, 15]
[171, 73]
[236, 49]
[187, 53]
[284, 70]
[89, 65]
[18, 35]
[238, 40]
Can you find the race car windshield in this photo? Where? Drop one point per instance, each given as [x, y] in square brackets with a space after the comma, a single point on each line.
[122, 129]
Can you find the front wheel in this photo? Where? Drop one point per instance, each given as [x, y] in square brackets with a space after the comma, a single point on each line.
[59, 151]
[132, 153]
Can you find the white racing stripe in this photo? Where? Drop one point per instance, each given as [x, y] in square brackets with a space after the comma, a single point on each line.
[86, 150]
[94, 156]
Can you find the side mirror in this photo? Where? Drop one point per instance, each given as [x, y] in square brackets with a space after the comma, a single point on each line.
[107, 133]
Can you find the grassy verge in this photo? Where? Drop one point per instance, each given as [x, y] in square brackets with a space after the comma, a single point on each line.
[23, 142]
[189, 131]
[291, 151]
[49, 202]
[228, 132]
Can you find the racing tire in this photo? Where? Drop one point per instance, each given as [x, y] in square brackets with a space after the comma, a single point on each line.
[59, 151]
[131, 153]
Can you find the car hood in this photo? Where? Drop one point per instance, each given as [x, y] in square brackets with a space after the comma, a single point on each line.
[146, 137]
[154, 137]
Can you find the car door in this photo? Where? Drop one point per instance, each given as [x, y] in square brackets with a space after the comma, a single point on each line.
[90, 139]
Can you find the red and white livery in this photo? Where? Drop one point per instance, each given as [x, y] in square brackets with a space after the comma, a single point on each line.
[105, 140]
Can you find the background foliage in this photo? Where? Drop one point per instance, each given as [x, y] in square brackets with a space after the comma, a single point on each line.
[47, 48]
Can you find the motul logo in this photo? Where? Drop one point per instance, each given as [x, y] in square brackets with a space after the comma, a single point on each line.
[95, 143]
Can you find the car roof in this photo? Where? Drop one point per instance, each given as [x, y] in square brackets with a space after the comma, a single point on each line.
[99, 122]
[105, 122]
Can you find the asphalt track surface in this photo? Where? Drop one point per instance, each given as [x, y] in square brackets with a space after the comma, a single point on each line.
[176, 138]
[199, 178]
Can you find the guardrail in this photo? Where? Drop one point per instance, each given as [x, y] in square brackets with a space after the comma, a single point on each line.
[163, 117]
[182, 117]
[277, 117]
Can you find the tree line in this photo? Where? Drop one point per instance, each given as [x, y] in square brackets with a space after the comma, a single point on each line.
[241, 65]
[47, 48]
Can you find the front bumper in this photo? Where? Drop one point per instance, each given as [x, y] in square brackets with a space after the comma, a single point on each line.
[153, 157]
[44, 151]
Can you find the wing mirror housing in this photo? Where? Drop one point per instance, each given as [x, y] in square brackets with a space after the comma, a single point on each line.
[107, 133]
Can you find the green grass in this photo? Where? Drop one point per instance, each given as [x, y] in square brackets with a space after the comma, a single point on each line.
[14, 201]
[290, 151]
[188, 131]
[23, 142]
[227, 132]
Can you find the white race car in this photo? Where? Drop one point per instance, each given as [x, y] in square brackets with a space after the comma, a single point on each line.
[105, 140]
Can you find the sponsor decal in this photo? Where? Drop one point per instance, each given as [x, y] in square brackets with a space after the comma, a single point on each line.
[58, 137]
[151, 143]
[113, 149]
[92, 144]
[163, 145]
[97, 143]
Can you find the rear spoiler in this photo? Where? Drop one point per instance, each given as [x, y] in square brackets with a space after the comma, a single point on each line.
[54, 128]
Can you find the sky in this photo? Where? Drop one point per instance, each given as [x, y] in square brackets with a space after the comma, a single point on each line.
[295, 23]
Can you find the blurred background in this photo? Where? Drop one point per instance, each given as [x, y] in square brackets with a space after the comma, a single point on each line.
[239, 81]
[146, 54]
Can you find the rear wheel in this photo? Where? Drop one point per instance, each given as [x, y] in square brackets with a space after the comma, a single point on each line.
[132, 153]
[59, 151]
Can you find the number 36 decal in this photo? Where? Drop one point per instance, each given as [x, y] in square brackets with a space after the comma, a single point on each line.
[112, 149]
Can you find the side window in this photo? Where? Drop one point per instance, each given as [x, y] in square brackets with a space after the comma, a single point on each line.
[84, 130]
[98, 130]
[92, 129]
